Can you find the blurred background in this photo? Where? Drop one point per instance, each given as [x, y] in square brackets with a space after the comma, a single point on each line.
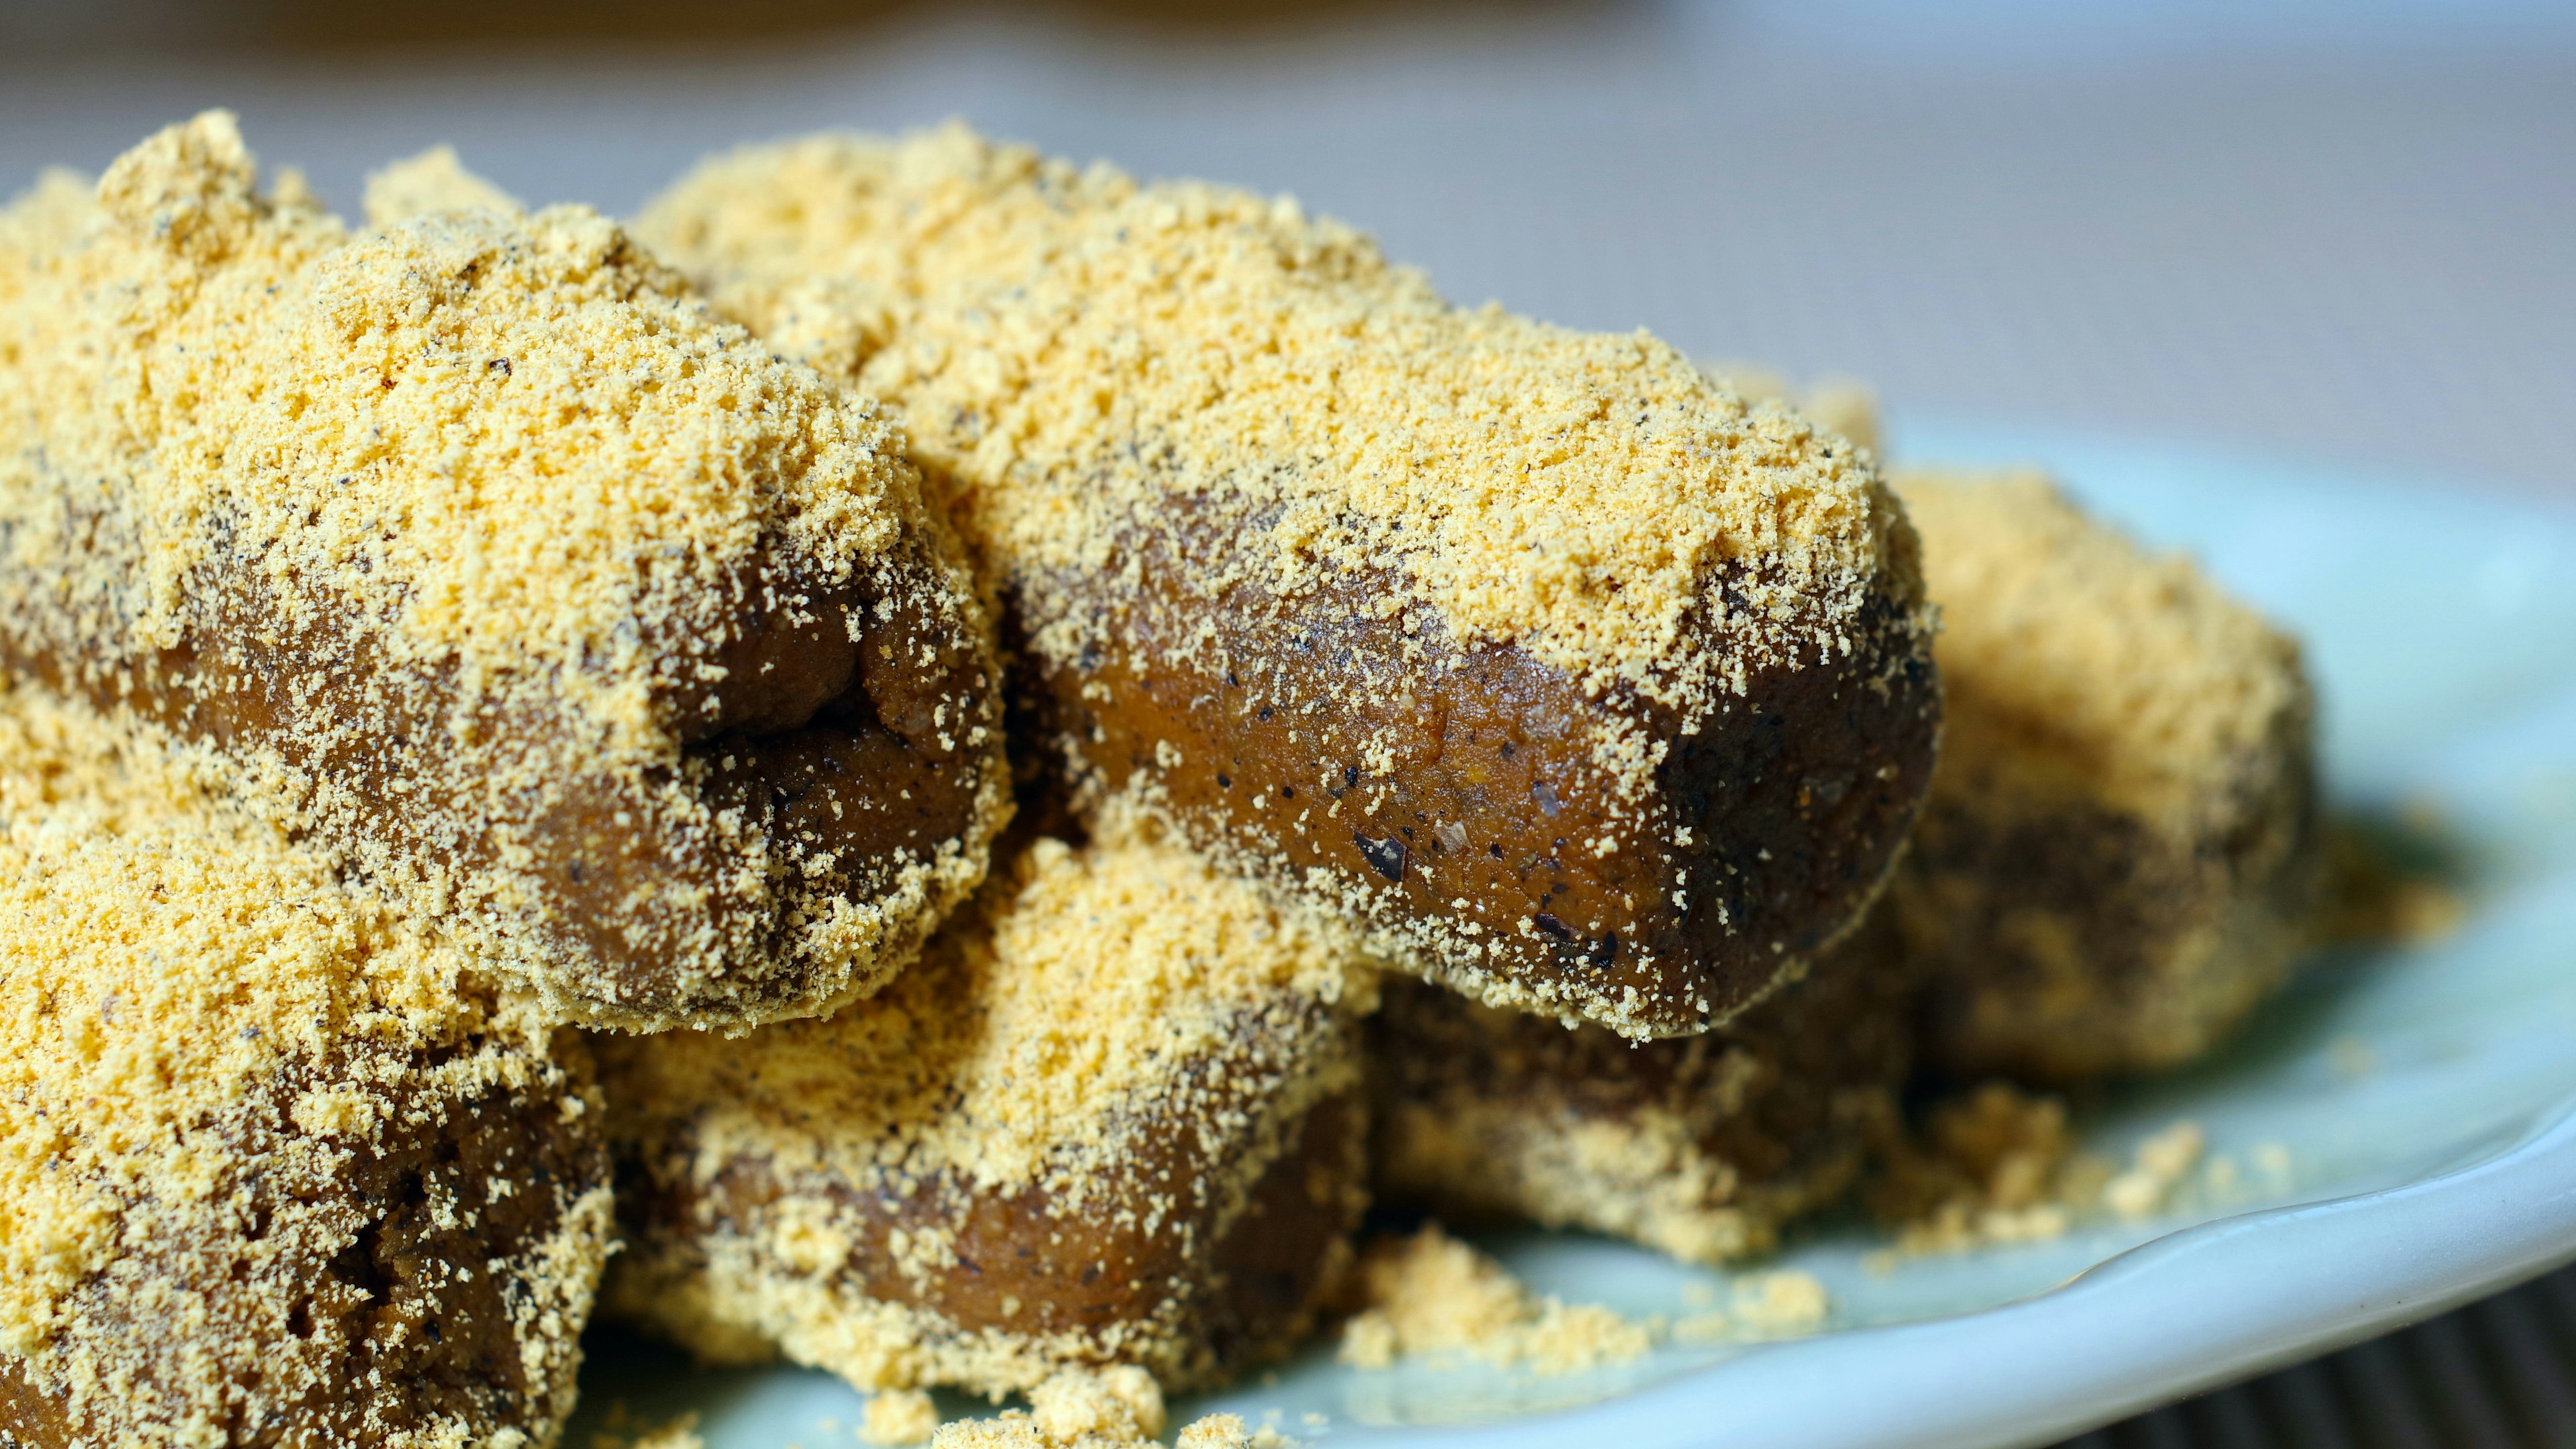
[2341, 231]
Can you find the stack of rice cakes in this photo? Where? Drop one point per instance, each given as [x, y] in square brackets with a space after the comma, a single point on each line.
[1458, 761]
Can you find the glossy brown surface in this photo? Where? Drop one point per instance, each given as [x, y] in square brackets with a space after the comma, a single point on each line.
[1452, 798]
[819, 761]
[1191, 1262]
[415, 1327]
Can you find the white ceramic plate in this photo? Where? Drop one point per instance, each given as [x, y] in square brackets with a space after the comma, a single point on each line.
[2424, 1099]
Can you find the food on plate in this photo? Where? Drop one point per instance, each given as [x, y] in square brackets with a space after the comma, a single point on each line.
[1587, 688]
[583, 627]
[417, 638]
[1113, 1117]
[2120, 855]
[1702, 1147]
[275, 1166]
[2118, 860]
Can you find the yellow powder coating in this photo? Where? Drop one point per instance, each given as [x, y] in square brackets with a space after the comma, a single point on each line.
[1102, 1062]
[523, 494]
[250, 362]
[2115, 717]
[1070, 346]
[2066, 642]
[1429, 1295]
[434, 180]
[1256, 495]
[899, 1416]
[209, 1048]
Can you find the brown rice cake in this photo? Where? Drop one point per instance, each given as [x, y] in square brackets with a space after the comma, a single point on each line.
[578, 622]
[275, 1168]
[1587, 687]
[2120, 853]
[1112, 1117]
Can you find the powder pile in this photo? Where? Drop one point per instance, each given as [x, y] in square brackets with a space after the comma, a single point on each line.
[1430, 1296]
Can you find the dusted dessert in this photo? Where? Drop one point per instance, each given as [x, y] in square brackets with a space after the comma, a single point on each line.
[1587, 688]
[2120, 855]
[1113, 1117]
[580, 624]
[275, 1166]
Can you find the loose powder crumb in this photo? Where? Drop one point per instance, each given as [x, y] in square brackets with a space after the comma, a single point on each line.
[1429, 1295]
[2000, 1166]
[1117, 1408]
[1785, 1304]
[2160, 1165]
[899, 1416]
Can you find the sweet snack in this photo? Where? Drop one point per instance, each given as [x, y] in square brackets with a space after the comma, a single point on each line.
[275, 1167]
[578, 623]
[1701, 1147]
[2120, 854]
[2117, 861]
[1111, 1117]
[1587, 688]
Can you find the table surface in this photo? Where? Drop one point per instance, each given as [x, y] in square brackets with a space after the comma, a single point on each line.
[2332, 231]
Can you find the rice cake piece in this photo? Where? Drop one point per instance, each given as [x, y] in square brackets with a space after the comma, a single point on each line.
[576, 620]
[1586, 687]
[1112, 1117]
[2120, 855]
[275, 1167]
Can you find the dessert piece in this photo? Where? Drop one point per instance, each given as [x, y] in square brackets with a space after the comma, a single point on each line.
[1587, 688]
[2120, 852]
[1701, 1147]
[579, 623]
[2118, 860]
[275, 1168]
[1112, 1117]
